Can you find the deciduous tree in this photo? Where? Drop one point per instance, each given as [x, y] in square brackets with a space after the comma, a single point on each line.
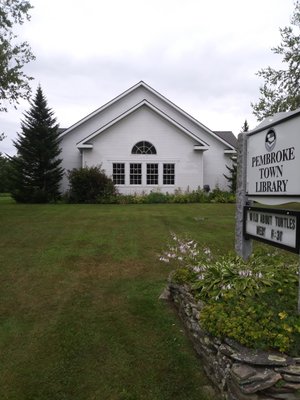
[14, 83]
[280, 91]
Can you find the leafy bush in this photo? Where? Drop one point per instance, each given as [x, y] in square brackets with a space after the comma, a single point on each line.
[183, 275]
[86, 192]
[254, 302]
[194, 196]
[220, 196]
[156, 197]
[90, 185]
[253, 321]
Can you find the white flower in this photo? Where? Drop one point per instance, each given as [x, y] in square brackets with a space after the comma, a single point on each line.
[245, 273]
[163, 259]
[207, 251]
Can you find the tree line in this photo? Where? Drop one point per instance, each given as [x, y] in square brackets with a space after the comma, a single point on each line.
[34, 174]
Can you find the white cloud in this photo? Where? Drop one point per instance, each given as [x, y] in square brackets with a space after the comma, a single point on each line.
[202, 55]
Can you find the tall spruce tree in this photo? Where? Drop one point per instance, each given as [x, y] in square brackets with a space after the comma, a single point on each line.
[232, 177]
[37, 170]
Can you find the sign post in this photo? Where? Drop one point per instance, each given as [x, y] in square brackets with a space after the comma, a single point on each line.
[268, 167]
[243, 246]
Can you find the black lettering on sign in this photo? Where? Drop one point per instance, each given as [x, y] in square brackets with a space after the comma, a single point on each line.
[285, 222]
[272, 158]
[260, 230]
[253, 216]
[266, 219]
[276, 235]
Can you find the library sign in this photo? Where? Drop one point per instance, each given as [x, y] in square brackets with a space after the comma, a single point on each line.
[273, 161]
[279, 228]
[273, 177]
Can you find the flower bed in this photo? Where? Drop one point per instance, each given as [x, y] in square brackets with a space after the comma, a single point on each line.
[253, 302]
[241, 316]
[238, 372]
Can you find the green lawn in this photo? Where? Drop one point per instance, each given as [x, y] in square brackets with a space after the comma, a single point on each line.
[79, 310]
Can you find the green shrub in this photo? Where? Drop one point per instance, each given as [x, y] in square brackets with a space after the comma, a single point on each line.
[231, 273]
[256, 306]
[220, 196]
[85, 193]
[253, 302]
[90, 185]
[183, 275]
[156, 197]
[195, 196]
[254, 322]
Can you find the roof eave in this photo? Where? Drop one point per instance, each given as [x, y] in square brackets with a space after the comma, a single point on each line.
[134, 108]
[142, 83]
[200, 148]
[85, 146]
[227, 151]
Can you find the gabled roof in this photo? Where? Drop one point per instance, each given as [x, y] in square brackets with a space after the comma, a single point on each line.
[228, 136]
[85, 142]
[150, 89]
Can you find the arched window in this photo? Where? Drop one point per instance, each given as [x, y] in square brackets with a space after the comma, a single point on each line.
[143, 148]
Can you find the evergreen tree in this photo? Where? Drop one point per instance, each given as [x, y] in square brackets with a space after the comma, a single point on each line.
[37, 171]
[233, 175]
[232, 178]
[280, 91]
[5, 174]
[245, 127]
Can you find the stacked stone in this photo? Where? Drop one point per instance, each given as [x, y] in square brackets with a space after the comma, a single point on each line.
[237, 372]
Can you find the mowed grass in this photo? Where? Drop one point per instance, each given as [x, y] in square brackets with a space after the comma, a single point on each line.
[79, 311]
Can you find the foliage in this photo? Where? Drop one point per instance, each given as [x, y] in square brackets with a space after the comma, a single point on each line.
[5, 174]
[36, 169]
[232, 177]
[183, 275]
[253, 302]
[4, 170]
[254, 323]
[245, 126]
[220, 196]
[14, 83]
[280, 91]
[156, 197]
[179, 196]
[185, 252]
[90, 185]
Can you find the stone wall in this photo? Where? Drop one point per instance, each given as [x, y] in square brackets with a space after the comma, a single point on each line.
[238, 372]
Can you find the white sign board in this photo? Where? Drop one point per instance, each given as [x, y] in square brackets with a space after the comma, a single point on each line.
[273, 162]
[276, 227]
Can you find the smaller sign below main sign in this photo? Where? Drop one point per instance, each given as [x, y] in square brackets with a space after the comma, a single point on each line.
[276, 227]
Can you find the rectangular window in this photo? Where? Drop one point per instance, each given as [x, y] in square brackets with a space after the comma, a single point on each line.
[169, 174]
[152, 174]
[119, 173]
[135, 174]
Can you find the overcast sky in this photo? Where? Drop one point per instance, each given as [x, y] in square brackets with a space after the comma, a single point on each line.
[202, 55]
